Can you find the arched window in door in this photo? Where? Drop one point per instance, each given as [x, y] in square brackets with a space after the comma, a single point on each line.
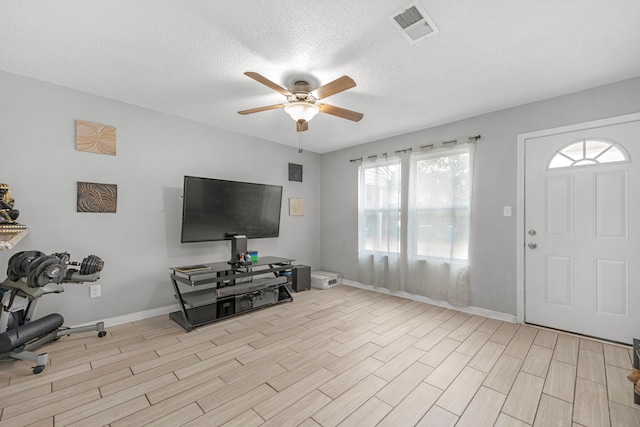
[588, 152]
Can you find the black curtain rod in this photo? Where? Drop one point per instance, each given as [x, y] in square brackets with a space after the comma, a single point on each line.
[404, 150]
[453, 141]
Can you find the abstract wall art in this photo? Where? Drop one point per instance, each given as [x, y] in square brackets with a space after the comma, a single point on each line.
[296, 206]
[295, 172]
[95, 138]
[94, 197]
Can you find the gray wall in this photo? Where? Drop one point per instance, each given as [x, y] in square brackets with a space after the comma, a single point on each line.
[154, 151]
[493, 239]
[142, 240]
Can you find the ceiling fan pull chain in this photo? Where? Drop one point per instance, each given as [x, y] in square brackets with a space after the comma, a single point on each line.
[299, 142]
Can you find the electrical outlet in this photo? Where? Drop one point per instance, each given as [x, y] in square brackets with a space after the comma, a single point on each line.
[507, 211]
[94, 291]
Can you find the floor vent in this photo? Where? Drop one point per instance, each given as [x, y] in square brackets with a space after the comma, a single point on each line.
[413, 22]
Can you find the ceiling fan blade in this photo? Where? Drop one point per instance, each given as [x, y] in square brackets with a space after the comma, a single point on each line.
[265, 81]
[341, 112]
[257, 110]
[302, 125]
[336, 86]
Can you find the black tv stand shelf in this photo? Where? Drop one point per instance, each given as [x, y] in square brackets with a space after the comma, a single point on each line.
[228, 290]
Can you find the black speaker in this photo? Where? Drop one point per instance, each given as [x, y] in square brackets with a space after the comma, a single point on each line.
[301, 277]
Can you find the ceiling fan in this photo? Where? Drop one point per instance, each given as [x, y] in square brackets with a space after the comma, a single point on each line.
[302, 103]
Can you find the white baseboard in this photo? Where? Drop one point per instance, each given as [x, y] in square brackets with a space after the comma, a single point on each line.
[505, 317]
[140, 315]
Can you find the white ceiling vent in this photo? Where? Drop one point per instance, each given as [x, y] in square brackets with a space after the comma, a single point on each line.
[413, 22]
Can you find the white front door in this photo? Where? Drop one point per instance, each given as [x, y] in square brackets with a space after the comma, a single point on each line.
[582, 231]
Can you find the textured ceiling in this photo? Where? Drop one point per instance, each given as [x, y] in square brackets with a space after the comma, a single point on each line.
[187, 58]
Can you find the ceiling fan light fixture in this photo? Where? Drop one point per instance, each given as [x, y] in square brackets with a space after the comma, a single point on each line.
[301, 110]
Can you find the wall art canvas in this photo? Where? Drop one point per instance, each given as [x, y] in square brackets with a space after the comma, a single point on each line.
[295, 172]
[95, 138]
[94, 197]
[296, 207]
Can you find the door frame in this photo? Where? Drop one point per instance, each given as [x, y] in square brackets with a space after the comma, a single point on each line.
[520, 202]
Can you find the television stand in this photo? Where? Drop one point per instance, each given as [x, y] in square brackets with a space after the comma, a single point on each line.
[216, 291]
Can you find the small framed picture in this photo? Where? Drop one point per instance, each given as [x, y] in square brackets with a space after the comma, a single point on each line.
[295, 172]
[296, 206]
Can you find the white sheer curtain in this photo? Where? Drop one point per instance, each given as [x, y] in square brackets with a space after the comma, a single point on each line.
[439, 210]
[379, 225]
[413, 218]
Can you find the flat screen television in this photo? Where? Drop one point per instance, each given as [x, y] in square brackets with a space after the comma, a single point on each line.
[216, 209]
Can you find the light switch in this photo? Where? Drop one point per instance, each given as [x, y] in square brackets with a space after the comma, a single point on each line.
[507, 211]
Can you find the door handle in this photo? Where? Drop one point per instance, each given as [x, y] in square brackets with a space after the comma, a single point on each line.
[532, 245]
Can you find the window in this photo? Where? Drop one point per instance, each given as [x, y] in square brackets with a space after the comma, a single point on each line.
[588, 152]
[441, 198]
[413, 219]
[380, 197]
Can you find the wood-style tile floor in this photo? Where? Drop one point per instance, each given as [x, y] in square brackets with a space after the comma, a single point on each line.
[343, 356]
